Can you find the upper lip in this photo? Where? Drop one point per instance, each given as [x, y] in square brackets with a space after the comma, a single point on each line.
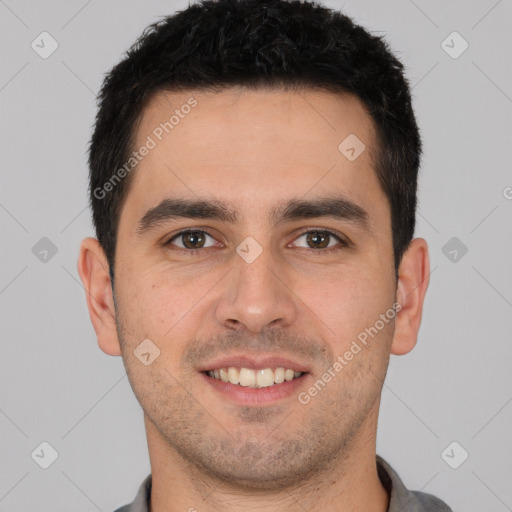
[254, 362]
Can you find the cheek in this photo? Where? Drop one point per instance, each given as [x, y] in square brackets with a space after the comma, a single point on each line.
[150, 309]
[348, 300]
[161, 304]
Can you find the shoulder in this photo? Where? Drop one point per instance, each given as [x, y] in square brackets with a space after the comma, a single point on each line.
[430, 503]
[402, 498]
[141, 501]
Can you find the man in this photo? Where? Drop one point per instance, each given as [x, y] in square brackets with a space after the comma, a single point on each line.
[253, 174]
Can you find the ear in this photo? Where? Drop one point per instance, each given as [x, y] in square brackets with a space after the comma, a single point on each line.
[93, 269]
[413, 279]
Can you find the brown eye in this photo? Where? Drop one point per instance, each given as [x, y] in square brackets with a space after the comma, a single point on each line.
[318, 239]
[191, 239]
[321, 239]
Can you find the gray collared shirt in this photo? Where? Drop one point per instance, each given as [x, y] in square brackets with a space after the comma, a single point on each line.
[401, 499]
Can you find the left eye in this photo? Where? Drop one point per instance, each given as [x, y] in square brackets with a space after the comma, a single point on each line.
[322, 239]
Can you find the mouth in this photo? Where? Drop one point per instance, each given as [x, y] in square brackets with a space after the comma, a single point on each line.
[254, 378]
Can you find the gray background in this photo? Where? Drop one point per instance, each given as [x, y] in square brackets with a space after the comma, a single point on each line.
[57, 386]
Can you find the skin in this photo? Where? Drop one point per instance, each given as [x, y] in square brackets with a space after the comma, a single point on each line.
[254, 149]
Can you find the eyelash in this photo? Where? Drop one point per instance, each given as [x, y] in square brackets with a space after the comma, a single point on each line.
[342, 242]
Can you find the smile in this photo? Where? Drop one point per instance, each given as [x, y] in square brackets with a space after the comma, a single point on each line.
[248, 377]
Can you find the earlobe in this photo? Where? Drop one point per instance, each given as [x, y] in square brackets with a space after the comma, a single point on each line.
[413, 282]
[94, 272]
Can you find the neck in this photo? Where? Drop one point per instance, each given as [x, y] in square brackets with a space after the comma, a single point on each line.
[347, 484]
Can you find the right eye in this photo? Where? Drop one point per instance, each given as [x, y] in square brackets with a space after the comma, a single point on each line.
[192, 240]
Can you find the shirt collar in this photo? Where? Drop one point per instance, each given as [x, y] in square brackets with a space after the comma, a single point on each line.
[402, 499]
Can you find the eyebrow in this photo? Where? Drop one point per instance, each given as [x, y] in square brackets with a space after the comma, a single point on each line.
[338, 207]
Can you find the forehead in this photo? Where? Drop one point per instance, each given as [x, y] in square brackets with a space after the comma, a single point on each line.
[315, 116]
[251, 147]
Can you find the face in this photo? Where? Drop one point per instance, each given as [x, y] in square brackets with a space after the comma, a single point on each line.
[251, 239]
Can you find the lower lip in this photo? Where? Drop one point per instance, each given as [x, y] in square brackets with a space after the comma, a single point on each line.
[256, 396]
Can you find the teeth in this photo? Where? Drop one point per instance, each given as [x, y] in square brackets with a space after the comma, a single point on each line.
[264, 378]
[254, 378]
[279, 375]
[233, 375]
[247, 377]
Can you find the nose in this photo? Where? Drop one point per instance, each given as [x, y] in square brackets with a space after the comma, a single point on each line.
[256, 296]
